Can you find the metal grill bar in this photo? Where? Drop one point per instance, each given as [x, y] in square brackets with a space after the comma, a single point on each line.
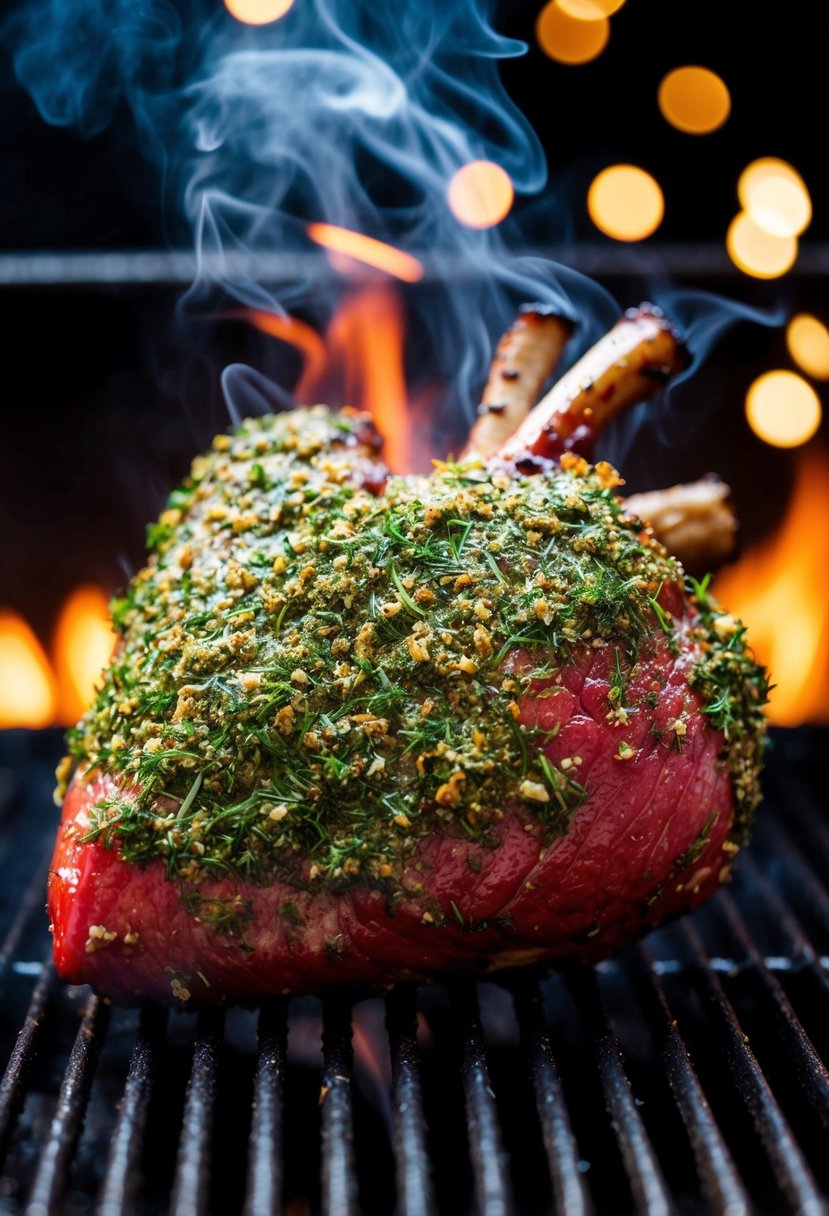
[32, 902]
[569, 1186]
[800, 878]
[56, 1156]
[647, 1183]
[264, 1188]
[798, 946]
[119, 1187]
[790, 1168]
[15, 1077]
[719, 1180]
[192, 1181]
[756, 959]
[810, 1070]
[411, 1160]
[154, 267]
[339, 1185]
[489, 1163]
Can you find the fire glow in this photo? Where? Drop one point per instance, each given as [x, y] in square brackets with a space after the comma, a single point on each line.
[778, 592]
[35, 693]
[362, 355]
[367, 250]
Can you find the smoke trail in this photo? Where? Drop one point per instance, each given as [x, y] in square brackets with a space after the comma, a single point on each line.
[345, 112]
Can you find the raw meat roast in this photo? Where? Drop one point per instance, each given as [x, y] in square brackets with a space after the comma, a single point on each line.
[363, 727]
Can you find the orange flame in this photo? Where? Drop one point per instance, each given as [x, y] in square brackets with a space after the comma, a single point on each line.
[366, 334]
[27, 686]
[306, 340]
[779, 591]
[363, 349]
[367, 250]
[83, 645]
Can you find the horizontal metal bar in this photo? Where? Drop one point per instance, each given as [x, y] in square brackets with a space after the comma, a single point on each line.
[264, 1183]
[179, 267]
[123, 1173]
[49, 1186]
[192, 1179]
[414, 1185]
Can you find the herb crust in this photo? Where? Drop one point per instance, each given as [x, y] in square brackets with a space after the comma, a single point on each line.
[312, 677]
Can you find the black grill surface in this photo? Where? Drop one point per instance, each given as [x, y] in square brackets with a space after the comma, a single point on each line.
[685, 1076]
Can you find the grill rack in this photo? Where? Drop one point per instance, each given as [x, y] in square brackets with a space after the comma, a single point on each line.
[687, 1075]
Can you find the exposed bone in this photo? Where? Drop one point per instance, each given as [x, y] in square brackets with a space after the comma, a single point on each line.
[694, 522]
[627, 365]
[524, 357]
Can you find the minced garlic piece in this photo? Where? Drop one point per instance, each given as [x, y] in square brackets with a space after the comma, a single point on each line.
[534, 791]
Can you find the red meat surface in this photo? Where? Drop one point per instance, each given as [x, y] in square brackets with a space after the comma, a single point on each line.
[649, 841]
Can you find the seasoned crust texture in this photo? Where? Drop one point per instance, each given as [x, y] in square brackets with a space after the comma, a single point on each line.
[359, 728]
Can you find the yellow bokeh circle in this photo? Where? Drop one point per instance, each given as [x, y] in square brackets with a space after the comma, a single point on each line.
[625, 202]
[782, 409]
[258, 12]
[694, 100]
[480, 194]
[756, 252]
[569, 39]
[808, 341]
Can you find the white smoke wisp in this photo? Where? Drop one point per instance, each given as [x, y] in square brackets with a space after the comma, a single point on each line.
[344, 112]
[347, 112]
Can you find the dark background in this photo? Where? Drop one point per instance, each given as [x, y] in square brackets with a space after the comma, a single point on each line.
[107, 392]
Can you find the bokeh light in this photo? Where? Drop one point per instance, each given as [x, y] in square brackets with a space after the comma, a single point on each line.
[258, 12]
[782, 409]
[694, 100]
[808, 343]
[625, 202]
[590, 10]
[480, 194]
[775, 196]
[756, 252]
[569, 39]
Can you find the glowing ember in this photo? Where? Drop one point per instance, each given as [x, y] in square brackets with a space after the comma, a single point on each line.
[808, 341]
[783, 409]
[625, 202]
[756, 252]
[480, 194]
[83, 645]
[258, 12]
[569, 39]
[367, 250]
[27, 687]
[778, 590]
[775, 196]
[301, 336]
[694, 100]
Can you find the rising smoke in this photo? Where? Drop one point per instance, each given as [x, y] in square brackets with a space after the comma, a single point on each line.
[350, 112]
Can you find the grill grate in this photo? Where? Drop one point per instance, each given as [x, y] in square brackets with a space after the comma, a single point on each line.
[687, 1075]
